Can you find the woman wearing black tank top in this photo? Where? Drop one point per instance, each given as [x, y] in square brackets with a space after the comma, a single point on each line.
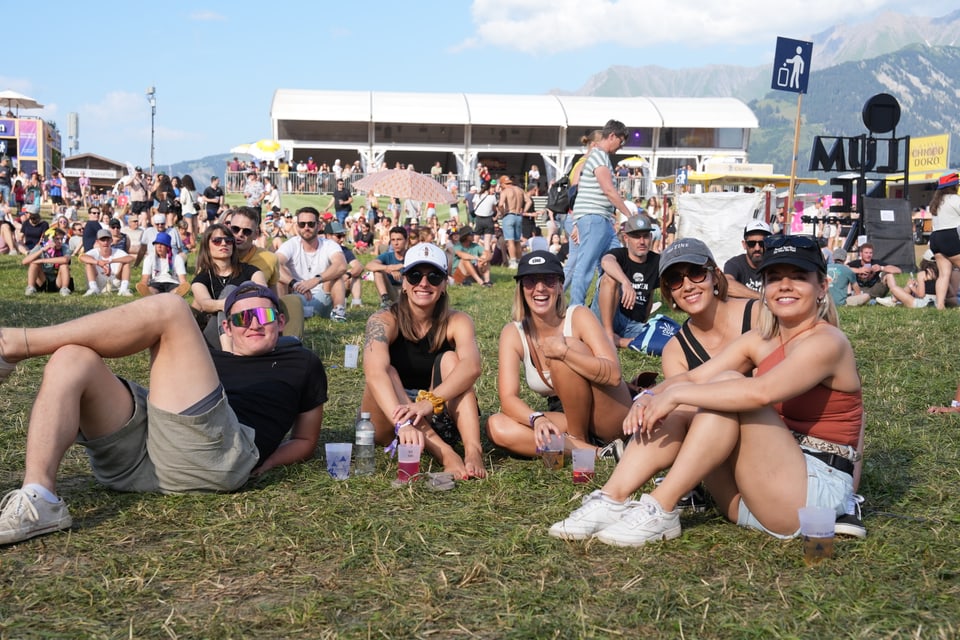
[691, 282]
[420, 363]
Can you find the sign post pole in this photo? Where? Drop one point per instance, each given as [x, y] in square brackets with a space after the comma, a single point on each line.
[791, 71]
[788, 214]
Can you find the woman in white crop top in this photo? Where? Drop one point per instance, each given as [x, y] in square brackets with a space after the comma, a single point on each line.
[563, 354]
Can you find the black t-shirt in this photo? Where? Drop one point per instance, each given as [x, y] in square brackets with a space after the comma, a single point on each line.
[213, 194]
[216, 284]
[868, 280]
[90, 231]
[269, 392]
[742, 272]
[5, 176]
[33, 232]
[341, 194]
[645, 278]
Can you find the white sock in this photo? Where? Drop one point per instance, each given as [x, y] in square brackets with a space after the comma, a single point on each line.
[43, 492]
[124, 285]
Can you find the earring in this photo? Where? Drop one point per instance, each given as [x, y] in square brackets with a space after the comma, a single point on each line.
[716, 291]
[820, 301]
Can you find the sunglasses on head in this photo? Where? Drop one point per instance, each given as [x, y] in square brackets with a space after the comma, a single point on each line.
[264, 315]
[218, 240]
[548, 279]
[241, 230]
[435, 278]
[753, 244]
[799, 242]
[694, 273]
[306, 223]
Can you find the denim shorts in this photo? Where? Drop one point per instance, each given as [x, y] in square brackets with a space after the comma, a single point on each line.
[826, 487]
[511, 224]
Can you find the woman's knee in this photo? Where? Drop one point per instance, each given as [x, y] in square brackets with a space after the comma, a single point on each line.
[727, 375]
[498, 426]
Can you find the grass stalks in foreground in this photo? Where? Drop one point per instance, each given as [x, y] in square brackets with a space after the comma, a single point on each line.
[297, 554]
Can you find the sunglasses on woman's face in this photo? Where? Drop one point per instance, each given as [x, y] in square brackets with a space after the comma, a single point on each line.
[264, 315]
[238, 230]
[435, 278]
[694, 273]
[548, 279]
[219, 240]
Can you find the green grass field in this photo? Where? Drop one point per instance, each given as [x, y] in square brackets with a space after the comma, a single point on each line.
[297, 554]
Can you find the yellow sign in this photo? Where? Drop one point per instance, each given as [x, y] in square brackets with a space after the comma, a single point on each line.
[930, 153]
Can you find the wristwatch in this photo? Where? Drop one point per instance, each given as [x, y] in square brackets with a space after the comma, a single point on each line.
[534, 416]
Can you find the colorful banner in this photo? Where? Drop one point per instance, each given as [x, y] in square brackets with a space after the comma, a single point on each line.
[930, 153]
[28, 138]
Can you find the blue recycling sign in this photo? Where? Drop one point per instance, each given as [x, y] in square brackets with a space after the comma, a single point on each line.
[791, 65]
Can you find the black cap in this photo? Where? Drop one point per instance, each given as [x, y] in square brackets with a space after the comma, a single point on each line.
[539, 263]
[798, 251]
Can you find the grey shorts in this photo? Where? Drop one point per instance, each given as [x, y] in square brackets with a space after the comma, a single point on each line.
[158, 451]
[826, 487]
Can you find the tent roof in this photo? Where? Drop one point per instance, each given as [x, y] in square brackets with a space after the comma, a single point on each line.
[518, 110]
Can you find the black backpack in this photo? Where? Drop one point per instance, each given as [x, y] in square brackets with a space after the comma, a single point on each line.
[558, 196]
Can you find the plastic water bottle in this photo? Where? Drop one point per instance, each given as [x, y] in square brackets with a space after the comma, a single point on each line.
[363, 447]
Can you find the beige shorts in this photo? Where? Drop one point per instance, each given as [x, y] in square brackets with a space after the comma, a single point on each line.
[159, 451]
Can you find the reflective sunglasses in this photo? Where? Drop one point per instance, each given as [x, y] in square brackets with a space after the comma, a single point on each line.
[435, 278]
[264, 315]
[799, 242]
[694, 273]
[548, 279]
[753, 244]
[241, 230]
[306, 223]
[219, 240]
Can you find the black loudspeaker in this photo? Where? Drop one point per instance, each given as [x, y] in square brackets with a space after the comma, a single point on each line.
[890, 229]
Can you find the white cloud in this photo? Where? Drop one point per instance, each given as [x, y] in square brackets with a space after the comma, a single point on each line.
[532, 26]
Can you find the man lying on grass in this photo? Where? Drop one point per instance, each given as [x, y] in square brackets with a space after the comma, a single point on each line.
[209, 420]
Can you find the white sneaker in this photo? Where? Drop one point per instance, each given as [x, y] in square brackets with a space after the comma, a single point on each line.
[65, 292]
[126, 293]
[514, 264]
[597, 512]
[644, 522]
[91, 292]
[24, 514]
[29, 291]
[887, 302]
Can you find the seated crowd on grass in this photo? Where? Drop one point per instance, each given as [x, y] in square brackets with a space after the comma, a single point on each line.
[733, 413]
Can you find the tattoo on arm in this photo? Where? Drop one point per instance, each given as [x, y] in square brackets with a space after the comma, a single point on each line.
[376, 332]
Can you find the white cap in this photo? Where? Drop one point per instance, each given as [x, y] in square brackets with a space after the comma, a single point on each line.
[159, 218]
[757, 226]
[425, 253]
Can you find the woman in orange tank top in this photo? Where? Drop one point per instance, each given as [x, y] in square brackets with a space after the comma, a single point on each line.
[766, 445]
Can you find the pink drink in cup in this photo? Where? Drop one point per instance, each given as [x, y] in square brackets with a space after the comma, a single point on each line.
[408, 461]
[584, 461]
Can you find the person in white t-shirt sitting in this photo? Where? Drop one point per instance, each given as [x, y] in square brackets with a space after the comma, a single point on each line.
[163, 270]
[107, 267]
[310, 265]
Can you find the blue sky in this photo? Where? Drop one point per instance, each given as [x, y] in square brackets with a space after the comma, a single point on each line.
[215, 65]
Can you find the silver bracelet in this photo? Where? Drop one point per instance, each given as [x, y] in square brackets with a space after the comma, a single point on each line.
[644, 392]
